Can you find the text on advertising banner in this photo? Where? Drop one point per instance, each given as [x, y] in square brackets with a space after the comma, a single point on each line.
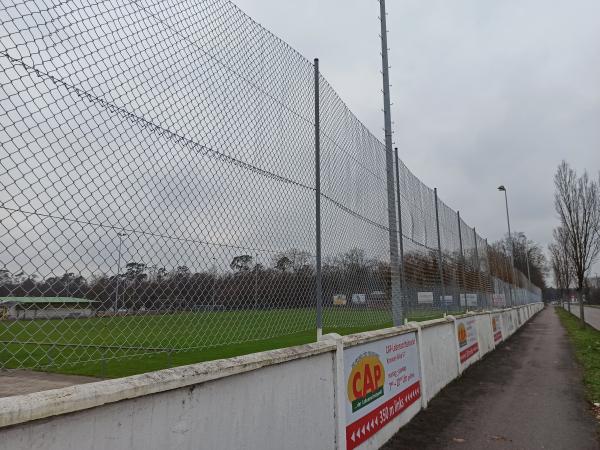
[383, 380]
[498, 300]
[466, 333]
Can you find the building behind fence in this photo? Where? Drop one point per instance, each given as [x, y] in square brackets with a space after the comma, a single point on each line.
[158, 175]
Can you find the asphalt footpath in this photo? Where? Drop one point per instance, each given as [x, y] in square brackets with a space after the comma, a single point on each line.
[526, 395]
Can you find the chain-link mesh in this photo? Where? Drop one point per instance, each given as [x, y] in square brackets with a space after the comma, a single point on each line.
[158, 201]
[356, 268]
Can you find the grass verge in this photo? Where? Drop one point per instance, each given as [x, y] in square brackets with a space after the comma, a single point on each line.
[587, 350]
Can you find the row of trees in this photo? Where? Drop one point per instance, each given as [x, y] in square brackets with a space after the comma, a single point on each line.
[576, 244]
[528, 256]
[288, 281]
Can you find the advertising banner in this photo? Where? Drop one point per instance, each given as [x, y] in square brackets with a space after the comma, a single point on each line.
[383, 380]
[471, 299]
[497, 327]
[359, 299]
[425, 298]
[468, 299]
[498, 300]
[339, 300]
[466, 331]
[446, 300]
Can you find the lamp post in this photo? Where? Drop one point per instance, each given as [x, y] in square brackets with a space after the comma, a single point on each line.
[121, 236]
[502, 188]
[214, 283]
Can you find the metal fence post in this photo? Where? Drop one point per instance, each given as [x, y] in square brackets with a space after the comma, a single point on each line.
[490, 277]
[478, 264]
[318, 280]
[404, 288]
[461, 265]
[511, 286]
[441, 270]
[389, 158]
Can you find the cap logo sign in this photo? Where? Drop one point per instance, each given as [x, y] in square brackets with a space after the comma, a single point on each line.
[366, 380]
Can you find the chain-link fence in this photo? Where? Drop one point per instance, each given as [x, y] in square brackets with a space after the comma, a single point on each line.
[158, 201]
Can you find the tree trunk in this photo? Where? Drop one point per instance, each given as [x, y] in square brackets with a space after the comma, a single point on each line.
[581, 308]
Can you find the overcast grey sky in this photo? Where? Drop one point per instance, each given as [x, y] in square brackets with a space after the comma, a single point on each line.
[484, 92]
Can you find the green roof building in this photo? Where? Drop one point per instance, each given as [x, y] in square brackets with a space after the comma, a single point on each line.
[17, 308]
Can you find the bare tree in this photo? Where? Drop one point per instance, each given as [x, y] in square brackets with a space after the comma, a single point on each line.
[577, 202]
[560, 263]
[529, 257]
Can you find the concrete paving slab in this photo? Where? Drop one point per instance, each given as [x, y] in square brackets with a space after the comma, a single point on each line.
[19, 382]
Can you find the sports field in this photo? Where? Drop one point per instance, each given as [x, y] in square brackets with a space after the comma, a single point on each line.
[126, 345]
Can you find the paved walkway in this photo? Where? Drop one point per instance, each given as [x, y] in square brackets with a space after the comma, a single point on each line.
[17, 382]
[526, 395]
[592, 315]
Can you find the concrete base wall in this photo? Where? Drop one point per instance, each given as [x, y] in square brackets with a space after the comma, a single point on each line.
[438, 353]
[291, 398]
[485, 335]
[251, 410]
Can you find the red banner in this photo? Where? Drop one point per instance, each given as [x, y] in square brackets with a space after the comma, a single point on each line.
[365, 427]
[468, 352]
[497, 336]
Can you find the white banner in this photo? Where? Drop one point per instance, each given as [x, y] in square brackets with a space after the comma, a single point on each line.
[471, 299]
[468, 299]
[425, 298]
[447, 299]
[359, 299]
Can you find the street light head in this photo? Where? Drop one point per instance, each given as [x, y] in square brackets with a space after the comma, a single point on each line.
[501, 188]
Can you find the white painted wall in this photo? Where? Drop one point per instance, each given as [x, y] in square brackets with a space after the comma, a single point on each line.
[290, 398]
[486, 336]
[438, 351]
[254, 410]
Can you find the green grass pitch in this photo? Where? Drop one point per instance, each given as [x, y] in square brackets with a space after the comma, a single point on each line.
[110, 347]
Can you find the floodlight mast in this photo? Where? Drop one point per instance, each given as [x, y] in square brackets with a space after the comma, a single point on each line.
[396, 295]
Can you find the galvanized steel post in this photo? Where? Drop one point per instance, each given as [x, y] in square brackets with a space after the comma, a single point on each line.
[404, 288]
[318, 280]
[462, 265]
[478, 265]
[441, 269]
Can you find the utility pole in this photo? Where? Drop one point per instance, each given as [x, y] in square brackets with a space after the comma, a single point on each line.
[116, 306]
[389, 159]
[214, 284]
